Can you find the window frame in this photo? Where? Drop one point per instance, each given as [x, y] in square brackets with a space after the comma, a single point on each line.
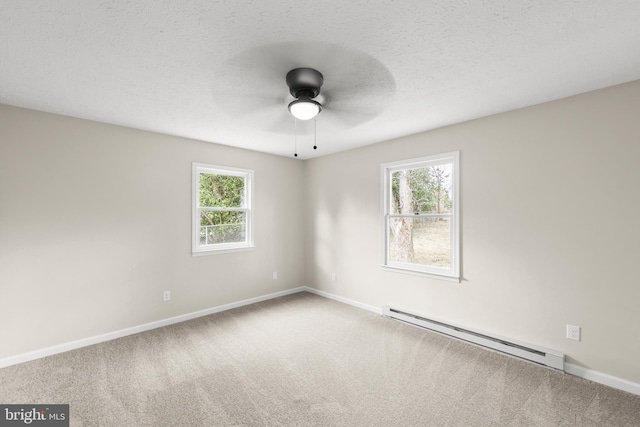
[217, 248]
[453, 272]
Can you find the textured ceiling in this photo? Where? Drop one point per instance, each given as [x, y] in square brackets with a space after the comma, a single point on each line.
[214, 70]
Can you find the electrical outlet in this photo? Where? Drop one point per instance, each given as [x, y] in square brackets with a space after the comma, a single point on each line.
[275, 275]
[334, 277]
[166, 296]
[573, 332]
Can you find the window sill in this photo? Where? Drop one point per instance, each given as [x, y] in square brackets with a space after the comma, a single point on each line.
[222, 251]
[420, 273]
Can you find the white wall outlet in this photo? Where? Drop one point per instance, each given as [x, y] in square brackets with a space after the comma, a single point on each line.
[166, 296]
[275, 275]
[573, 332]
[334, 277]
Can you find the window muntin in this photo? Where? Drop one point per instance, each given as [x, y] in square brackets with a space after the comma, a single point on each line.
[421, 215]
[221, 208]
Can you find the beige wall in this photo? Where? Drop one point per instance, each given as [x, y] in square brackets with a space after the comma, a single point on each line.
[550, 227]
[95, 222]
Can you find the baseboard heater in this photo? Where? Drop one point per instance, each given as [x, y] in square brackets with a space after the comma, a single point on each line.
[550, 358]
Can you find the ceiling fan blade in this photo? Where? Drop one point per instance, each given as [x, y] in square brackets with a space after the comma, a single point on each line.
[236, 106]
[355, 108]
[268, 118]
[330, 120]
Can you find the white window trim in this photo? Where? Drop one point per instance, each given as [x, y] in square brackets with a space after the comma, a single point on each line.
[452, 273]
[196, 248]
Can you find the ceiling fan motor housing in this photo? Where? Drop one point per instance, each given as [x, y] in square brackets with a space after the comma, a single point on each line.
[304, 82]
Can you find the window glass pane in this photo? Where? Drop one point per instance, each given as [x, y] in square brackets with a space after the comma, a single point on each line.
[422, 190]
[221, 191]
[425, 241]
[222, 227]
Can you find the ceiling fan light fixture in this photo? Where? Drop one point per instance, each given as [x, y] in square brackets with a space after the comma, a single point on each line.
[304, 108]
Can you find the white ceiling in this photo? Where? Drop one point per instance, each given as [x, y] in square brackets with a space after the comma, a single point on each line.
[191, 67]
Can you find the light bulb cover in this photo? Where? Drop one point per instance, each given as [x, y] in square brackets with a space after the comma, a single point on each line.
[304, 108]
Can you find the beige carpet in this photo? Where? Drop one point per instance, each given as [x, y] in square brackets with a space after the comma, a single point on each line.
[303, 360]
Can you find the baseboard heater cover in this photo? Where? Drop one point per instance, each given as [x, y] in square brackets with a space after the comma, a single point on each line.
[550, 358]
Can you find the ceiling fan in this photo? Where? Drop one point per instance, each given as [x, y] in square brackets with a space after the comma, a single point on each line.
[353, 87]
[304, 85]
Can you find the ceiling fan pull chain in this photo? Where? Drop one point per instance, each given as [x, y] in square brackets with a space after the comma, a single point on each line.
[315, 132]
[295, 137]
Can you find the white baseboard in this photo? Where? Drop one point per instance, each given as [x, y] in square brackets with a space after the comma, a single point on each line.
[578, 371]
[61, 348]
[377, 310]
[602, 378]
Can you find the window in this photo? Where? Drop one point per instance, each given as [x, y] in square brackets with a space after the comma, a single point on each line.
[221, 208]
[421, 216]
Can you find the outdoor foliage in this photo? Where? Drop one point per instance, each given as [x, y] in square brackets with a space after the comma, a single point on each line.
[421, 190]
[225, 222]
[420, 239]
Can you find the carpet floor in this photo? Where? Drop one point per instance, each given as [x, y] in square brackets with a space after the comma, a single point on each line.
[304, 360]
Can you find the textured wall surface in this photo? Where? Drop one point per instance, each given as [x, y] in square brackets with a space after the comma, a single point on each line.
[549, 226]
